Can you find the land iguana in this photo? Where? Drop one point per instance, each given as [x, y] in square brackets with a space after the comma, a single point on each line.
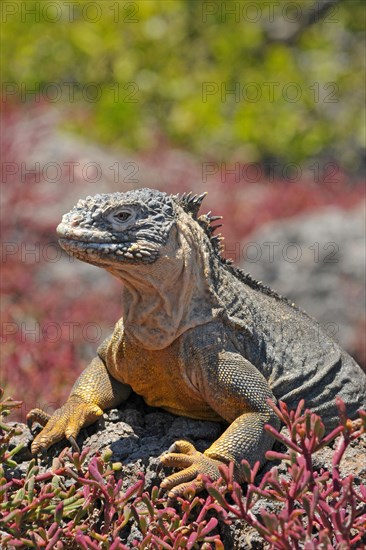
[199, 337]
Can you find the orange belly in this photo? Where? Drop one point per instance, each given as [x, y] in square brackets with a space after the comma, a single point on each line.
[160, 378]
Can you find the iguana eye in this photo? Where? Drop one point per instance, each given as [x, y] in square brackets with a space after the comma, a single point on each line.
[122, 216]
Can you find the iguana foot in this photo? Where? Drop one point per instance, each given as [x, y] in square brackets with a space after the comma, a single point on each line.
[183, 454]
[65, 422]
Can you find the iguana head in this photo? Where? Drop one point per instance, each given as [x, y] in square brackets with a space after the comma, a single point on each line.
[128, 228]
[131, 228]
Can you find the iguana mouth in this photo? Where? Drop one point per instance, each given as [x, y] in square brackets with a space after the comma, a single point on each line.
[79, 244]
[126, 251]
[76, 235]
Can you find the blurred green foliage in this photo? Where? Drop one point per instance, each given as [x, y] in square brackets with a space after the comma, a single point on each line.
[139, 73]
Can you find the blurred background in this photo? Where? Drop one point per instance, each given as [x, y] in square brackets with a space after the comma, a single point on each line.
[259, 103]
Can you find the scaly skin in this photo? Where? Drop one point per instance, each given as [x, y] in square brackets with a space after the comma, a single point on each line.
[199, 337]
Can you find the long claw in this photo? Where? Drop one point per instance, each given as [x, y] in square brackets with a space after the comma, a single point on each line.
[73, 443]
[159, 467]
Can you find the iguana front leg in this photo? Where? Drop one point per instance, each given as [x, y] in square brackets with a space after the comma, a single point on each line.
[238, 392]
[93, 392]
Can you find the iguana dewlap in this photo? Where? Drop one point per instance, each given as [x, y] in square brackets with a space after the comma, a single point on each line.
[198, 337]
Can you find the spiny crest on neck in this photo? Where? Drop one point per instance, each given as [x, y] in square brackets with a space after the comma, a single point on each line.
[191, 204]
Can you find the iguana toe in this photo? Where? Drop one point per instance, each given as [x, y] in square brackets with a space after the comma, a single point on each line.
[66, 422]
[193, 463]
[37, 415]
